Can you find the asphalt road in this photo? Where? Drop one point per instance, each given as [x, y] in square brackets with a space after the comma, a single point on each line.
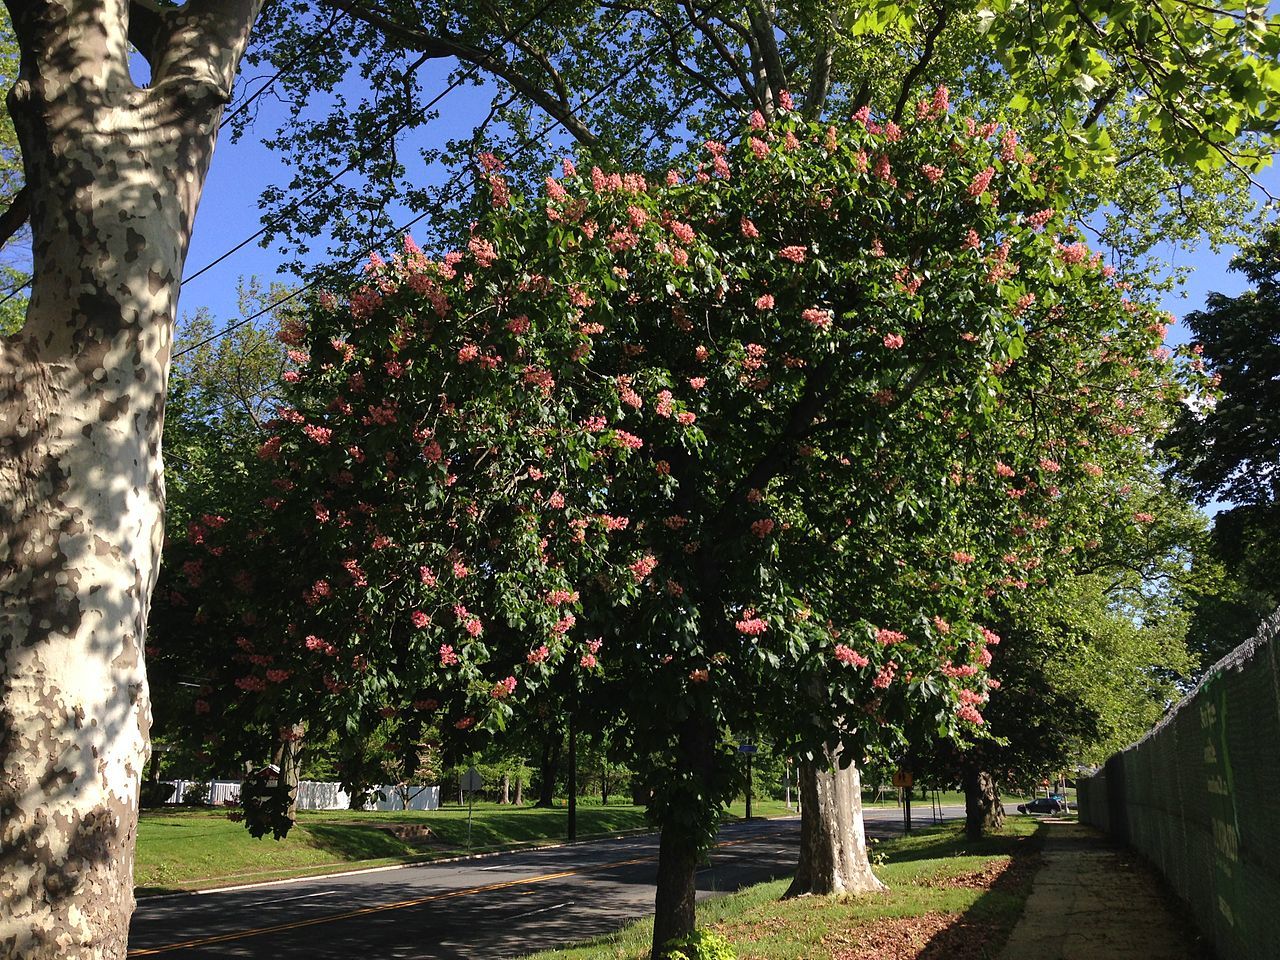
[504, 905]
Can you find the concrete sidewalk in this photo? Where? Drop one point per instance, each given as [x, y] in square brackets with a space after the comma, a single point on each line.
[1094, 901]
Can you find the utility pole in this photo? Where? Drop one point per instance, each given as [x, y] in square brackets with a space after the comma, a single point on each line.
[573, 778]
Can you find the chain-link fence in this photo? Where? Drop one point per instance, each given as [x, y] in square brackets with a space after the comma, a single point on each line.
[1199, 796]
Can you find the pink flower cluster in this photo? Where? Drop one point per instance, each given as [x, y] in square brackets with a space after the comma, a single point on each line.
[503, 688]
[470, 622]
[850, 657]
[819, 318]
[642, 567]
[321, 435]
[969, 712]
[887, 638]
[981, 182]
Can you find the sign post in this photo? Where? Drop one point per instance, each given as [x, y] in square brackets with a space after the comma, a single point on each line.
[471, 782]
[903, 779]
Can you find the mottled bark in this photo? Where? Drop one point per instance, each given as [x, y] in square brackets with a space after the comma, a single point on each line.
[114, 174]
[983, 811]
[833, 847]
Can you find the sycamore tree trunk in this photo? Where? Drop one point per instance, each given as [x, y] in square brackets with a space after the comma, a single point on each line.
[983, 811]
[833, 847]
[113, 174]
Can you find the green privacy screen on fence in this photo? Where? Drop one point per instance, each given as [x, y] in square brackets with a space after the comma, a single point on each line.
[1199, 796]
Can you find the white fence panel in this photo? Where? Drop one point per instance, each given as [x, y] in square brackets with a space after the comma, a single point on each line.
[313, 795]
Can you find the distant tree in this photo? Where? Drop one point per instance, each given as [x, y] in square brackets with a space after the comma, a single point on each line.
[1230, 449]
[1227, 448]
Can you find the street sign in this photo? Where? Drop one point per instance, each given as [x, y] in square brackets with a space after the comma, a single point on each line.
[472, 781]
[748, 748]
[903, 778]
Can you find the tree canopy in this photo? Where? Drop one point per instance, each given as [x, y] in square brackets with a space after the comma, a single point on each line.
[760, 441]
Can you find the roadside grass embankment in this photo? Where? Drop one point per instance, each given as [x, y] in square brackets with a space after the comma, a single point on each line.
[194, 849]
[947, 899]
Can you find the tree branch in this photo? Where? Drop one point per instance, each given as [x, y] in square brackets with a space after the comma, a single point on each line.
[820, 77]
[811, 401]
[147, 28]
[1101, 105]
[926, 55]
[437, 47]
[765, 41]
[204, 43]
[16, 215]
[730, 58]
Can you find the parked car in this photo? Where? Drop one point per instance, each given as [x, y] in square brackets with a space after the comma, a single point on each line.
[1043, 805]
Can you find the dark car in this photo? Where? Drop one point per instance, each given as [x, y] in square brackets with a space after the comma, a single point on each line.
[1042, 805]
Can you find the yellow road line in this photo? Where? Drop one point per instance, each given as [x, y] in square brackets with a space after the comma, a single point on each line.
[363, 911]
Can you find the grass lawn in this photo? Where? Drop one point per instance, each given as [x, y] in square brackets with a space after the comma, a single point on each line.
[181, 849]
[193, 849]
[948, 899]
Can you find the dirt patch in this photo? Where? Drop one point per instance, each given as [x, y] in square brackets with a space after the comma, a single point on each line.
[940, 936]
[978, 880]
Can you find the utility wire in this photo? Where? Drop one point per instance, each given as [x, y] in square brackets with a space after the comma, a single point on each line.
[240, 108]
[309, 49]
[399, 231]
[393, 130]
[529, 141]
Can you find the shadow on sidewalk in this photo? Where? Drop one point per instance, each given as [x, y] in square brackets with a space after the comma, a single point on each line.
[981, 931]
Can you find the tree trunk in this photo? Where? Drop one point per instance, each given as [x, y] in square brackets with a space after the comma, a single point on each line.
[504, 789]
[287, 754]
[983, 811]
[519, 790]
[114, 174]
[573, 781]
[549, 767]
[682, 844]
[833, 847]
[673, 916]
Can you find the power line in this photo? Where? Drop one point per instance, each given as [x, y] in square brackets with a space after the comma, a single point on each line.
[240, 108]
[15, 291]
[402, 229]
[306, 51]
[399, 231]
[395, 128]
